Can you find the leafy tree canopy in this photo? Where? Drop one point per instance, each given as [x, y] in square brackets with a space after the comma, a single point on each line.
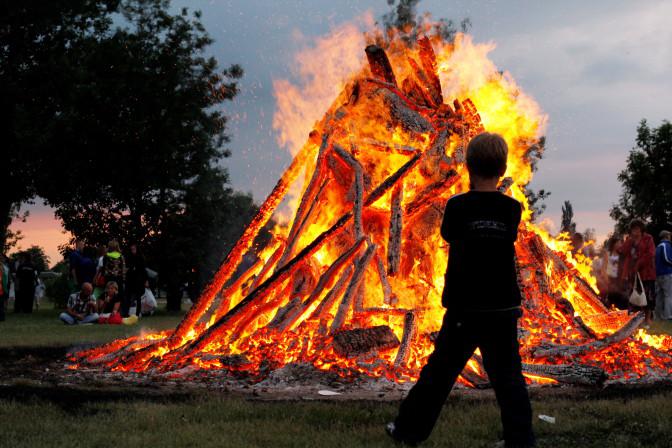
[647, 180]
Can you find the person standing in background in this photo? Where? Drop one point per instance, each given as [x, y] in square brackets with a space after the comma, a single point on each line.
[114, 267]
[26, 281]
[638, 257]
[664, 276]
[136, 276]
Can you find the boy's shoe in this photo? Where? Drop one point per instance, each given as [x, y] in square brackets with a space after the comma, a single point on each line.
[391, 431]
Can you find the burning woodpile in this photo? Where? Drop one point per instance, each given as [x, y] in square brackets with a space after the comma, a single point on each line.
[352, 283]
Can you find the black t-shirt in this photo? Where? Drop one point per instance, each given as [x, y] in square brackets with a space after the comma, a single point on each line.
[481, 227]
[108, 307]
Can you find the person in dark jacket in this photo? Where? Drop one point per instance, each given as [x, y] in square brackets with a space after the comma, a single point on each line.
[483, 306]
[136, 276]
[664, 276]
[26, 281]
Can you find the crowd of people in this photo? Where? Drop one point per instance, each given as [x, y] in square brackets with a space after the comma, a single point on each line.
[21, 281]
[635, 264]
[111, 287]
[106, 285]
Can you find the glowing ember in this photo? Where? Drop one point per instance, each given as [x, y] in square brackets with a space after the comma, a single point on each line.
[362, 258]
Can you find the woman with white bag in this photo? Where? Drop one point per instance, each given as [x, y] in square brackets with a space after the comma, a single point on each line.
[639, 269]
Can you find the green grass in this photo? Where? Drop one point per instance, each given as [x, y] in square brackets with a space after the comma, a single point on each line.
[221, 421]
[43, 329]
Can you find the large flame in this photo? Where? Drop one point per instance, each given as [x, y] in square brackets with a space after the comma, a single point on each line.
[287, 307]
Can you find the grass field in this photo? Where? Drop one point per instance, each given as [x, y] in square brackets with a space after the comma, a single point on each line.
[43, 328]
[624, 419]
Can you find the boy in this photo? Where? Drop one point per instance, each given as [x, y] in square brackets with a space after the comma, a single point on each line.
[483, 304]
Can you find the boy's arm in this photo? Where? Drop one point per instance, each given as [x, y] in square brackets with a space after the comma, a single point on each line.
[446, 224]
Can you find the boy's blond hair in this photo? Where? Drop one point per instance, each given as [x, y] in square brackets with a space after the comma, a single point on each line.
[486, 155]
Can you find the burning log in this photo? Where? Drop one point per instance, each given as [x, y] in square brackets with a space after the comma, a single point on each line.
[546, 350]
[428, 59]
[429, 92]
[431, 191]
[568, 373]
[357, 276]
[394, 241]
[384, 281]
[272, 261]
[393, 148]
[351, 343]
[308, 198]
[436, 164]
[380, 64]
[333, 295]
[416, 93]
[291, 318]
[410, 329]
[359, 187]
[405, 116]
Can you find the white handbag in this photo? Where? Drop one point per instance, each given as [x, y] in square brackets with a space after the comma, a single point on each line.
[638, 298]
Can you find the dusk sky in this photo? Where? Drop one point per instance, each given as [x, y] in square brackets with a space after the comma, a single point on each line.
[595, 68]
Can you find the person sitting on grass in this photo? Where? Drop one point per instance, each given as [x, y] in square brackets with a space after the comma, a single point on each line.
[108, 305]
[482, 298]
[81, 307]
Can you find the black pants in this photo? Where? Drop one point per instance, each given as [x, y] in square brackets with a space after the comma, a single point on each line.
[132, 298]
[24, 300]
[496, 335]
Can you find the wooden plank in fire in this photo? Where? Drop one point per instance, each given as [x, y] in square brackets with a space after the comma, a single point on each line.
[351, 343]
[569, 373]
[394, 240]
[410, 330]
[563, 350]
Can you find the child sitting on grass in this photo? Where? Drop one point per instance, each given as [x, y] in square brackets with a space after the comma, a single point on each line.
[482, 298]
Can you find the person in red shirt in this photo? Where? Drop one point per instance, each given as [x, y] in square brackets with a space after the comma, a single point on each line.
[638, 255]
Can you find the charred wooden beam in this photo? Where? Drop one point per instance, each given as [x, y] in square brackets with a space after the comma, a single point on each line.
[270, 264]
[307, 200]
[351, 343]
[414, 92]
[332, 296]
[404, 115]
[428, 60]
[410, 329]
[568, 373]
[357, 276]
[388, 147]
[394, 239]
[380, 64]
[359, 187]
[384, 281]
[326, 278]
[431, 191]
[562, 350]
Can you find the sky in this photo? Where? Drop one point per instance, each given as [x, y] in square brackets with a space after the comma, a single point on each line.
[595, 68]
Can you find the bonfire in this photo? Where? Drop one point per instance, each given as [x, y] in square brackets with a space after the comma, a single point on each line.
[351, 284]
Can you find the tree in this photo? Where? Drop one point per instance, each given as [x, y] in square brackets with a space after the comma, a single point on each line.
[37, 256]
[567, 224]
[35, 41]
[403, 18]
[647, 180]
